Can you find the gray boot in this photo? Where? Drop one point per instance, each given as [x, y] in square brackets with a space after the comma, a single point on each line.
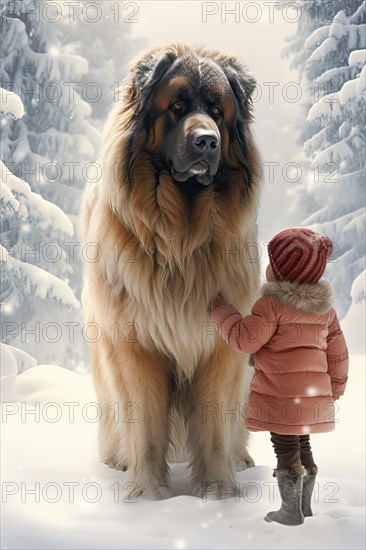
[290, 487]
[307, 490]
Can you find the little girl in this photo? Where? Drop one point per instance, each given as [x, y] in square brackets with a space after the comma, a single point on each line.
[301, 361]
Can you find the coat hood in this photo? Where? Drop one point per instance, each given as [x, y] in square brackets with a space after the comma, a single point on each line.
[313, 298]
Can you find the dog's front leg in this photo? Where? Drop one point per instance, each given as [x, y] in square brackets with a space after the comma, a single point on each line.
[215, 413]
[138, 384]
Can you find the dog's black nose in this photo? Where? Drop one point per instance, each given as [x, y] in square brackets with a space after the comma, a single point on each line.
[204, 140]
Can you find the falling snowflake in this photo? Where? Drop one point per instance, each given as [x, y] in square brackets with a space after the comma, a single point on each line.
[54, 51]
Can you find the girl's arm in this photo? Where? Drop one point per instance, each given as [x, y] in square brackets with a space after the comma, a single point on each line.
[337, 357]
[247, 334]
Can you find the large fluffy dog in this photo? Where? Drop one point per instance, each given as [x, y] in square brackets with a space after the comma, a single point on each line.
[173, 222]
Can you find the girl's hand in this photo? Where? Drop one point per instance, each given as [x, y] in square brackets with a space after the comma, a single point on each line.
[335, 397]
[219, 300]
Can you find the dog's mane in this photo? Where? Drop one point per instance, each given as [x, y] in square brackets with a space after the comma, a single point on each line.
[150, 206]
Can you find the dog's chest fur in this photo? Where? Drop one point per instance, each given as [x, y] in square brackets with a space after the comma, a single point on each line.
[169, 303]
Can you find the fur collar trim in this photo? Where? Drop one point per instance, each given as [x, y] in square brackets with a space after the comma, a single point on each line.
[314, 298]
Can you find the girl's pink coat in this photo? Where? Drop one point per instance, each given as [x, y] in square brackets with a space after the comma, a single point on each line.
[301, 357]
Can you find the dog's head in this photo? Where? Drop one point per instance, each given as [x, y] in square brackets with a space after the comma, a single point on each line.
[190, 110]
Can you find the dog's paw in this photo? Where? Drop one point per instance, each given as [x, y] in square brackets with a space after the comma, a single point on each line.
[114, 464]
[244, 462]
[216, 490]
[133, 491]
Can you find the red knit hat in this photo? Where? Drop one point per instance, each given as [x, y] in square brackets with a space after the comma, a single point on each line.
[299, 255]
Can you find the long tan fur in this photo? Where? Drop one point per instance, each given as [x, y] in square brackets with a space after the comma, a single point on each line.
[158, 359]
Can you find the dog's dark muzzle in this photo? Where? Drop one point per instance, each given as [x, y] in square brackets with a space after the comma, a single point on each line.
[195, 151]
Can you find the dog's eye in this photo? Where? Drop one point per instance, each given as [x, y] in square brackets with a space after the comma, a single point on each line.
[216, 111]
[177, 106]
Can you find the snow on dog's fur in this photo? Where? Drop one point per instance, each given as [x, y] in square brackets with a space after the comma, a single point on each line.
[173, 223]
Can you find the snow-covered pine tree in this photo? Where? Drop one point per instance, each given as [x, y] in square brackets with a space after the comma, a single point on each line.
[85, 35]
[54, 142]
[329, 51]
[36, 306]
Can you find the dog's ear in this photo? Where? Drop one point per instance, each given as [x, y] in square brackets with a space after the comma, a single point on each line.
[148, 71]
[241, 81]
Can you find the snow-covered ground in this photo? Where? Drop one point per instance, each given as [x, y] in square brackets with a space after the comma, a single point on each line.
[56, 495]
